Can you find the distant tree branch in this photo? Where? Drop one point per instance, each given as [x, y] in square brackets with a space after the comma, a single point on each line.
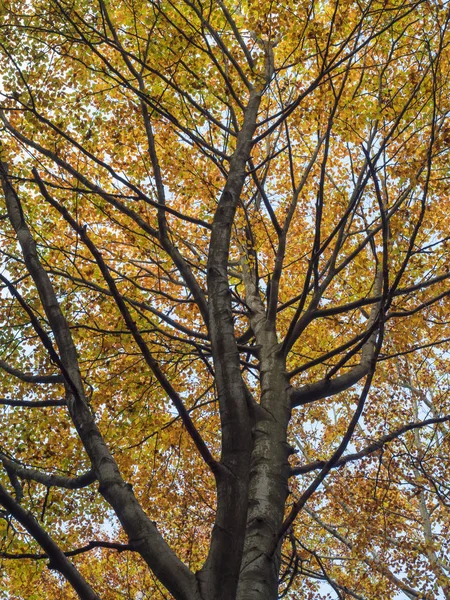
[371, 448]
[90, 546]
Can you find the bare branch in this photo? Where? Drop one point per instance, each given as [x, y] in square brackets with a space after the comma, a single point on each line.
[371, 448]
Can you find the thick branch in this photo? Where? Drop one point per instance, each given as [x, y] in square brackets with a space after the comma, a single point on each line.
[232, 482]
[70, 483]
[143, 347]
[58, 560]
[32, 403]
[178, 579]
[329, 387]
[28, 377]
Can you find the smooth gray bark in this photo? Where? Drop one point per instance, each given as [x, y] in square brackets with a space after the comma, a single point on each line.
[142, 532]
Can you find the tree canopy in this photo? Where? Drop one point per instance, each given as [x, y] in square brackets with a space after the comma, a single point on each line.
[225, 264]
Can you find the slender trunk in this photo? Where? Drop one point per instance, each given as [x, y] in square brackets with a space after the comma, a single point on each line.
[219, 576]
[269, 475]
[269, 472]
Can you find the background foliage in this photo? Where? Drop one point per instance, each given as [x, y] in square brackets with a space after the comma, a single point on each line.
[121, 121]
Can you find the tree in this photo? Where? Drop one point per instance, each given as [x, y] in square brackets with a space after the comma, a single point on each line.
[225, 268]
